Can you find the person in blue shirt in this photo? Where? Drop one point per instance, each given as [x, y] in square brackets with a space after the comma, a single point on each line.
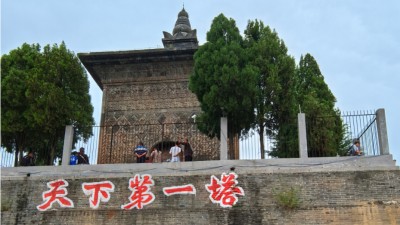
[73, 159]
[140, 153]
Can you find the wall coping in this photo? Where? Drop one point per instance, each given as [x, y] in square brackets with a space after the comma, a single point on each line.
[326, 164]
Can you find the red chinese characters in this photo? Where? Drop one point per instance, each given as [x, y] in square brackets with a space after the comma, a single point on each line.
[57, 194]
[141, 194]
[184, 189]
[98, 191]
[224, 191]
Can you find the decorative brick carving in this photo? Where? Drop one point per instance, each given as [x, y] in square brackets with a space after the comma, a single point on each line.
[143, 91]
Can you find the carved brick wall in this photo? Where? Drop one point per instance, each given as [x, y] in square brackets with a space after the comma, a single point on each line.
[144, 103]
[147, 88]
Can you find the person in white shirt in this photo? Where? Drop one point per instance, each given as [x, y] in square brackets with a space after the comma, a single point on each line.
[174, 151]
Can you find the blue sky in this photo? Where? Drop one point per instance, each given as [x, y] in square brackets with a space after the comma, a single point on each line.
[355, 42]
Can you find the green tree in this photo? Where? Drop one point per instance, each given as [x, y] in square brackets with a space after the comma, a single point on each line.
[52, 91]
[325, 131]
[275, 106]
[222, 81]
[16, 69]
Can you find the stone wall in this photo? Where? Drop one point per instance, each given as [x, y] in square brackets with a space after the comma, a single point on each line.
[326, 197]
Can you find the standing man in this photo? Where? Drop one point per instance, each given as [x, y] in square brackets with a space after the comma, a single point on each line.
[140, 153]
[28, 160]
[187, 150]
[82, 157]
[175, 151]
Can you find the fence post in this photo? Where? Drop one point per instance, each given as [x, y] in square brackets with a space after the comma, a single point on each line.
[68, 138]
[301, 121]
[224, 139]
[382, 132]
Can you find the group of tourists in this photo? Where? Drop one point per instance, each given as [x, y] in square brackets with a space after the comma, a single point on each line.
[155, 156]
[75, 159]
[141, 153]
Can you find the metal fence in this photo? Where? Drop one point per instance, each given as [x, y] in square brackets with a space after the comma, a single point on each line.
[91, 145]
[250, 147]
[359, 125]
[325, 136]
[335, 135]
[362, 125]
[114, 144]
[7, 159]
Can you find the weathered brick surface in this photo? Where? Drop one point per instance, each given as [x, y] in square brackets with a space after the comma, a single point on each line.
[145, 87]
[359, 197]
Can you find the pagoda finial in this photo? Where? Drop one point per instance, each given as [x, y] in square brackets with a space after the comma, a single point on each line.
[182, 34]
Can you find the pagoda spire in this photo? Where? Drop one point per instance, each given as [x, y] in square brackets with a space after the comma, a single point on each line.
[182, 35]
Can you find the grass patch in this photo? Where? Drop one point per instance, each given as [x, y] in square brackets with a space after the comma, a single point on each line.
[288, 199]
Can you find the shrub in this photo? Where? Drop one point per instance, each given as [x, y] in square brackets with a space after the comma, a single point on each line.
[288, 199]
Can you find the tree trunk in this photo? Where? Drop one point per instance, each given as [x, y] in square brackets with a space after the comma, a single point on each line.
[16, 157]
[52, 147]
[19, 149]
[21, 154]
[51, 156]
[262, 149]
[236, 146]
[231, 146]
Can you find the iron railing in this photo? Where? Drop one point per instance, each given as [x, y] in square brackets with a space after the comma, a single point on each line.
[362, 125]
[325, 136]
[249, 146]
[286, 147]
[7, 158]
[334, 135]
[115, 144]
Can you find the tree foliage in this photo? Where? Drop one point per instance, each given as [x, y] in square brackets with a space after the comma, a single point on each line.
[222, 81]
[326, 134]
[42, 92]
[255, 83]
[16, 69]
[275, 100]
